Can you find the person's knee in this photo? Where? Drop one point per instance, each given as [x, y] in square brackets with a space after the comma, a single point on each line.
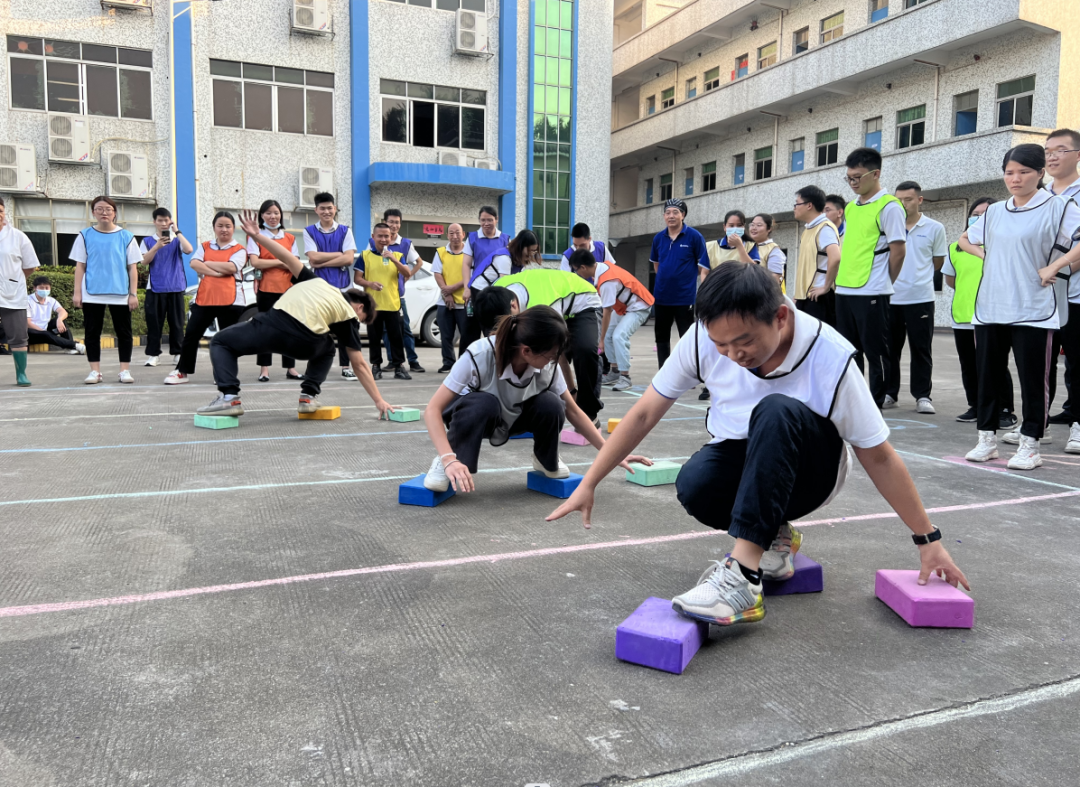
[549, 403]
[777, 410]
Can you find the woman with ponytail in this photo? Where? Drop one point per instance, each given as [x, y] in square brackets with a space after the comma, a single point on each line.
[274, 277]
[506, 384]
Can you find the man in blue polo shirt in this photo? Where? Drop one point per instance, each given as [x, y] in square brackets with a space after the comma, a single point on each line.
[676, 254]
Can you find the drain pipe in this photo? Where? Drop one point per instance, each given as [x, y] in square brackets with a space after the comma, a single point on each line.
[674, 154]
[775, 135]
[675, 92]
[937, 94]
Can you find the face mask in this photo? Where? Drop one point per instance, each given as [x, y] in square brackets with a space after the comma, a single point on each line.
[972, 220]
[43, 293]
[736, 231]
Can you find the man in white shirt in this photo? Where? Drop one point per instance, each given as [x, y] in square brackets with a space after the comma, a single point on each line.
[17, 256]
[785, 405]
[911, 308]
[581, 238]
[45, 319]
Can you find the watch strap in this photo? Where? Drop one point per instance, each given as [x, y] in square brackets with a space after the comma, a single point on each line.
[927, 538]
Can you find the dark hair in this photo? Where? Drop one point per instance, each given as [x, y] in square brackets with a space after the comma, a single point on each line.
[741, 288]
[323, 197]
[1026, 155]
[270, 203]
[540, 328]
[863, 157]
[581, 258]
[162, 212]
[812, 195]
[382, 225]
[390, 212]
[2, 203]
[1066, 132]
[488, 210]
[978, 202]
[364, 299]
[739, 213]
[39, 280]
[909, 185]
[767, 218]
[521, 241]
[836, 200]
[490, 304]
[102, 198]
[223, 214]
[581, 230]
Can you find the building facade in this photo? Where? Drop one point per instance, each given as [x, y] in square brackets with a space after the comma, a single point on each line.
[222, 104]
[735, 104]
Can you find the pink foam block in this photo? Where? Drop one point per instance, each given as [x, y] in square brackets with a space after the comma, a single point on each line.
[657, 636]
[936, 604]
[572, 438]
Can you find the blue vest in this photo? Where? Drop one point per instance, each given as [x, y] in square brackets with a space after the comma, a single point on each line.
[403, 247]
[483, 247]
[487, 273]
[599, 251]
[106, 261]
[167, 269]
[331, 242]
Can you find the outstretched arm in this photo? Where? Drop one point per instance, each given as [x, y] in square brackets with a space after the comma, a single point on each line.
[249, 223]
[367, 379]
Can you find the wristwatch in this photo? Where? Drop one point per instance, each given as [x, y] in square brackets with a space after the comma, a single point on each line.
[928, 538]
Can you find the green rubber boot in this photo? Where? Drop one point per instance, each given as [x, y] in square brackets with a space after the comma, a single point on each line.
[19, 356]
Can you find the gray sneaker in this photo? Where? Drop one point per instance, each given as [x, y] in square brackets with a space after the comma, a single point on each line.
[623, 384]
[610, 378]
[308, 404]
[224, 404]
[723, 596]
[778, 561]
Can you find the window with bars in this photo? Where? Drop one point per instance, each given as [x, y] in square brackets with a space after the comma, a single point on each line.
[872, 133]
[911, 127]
[966, 113]
[1015, 102]
[828, 147]
[667, 98]
[739, 163]
[763, 163]
[271, 98]
[691, 87]
[879, 9]
[798, 153]
[666, 187]
[832, 27]
[766, 55]
[429, 116]
[708, 176]
[712, 79]
[801, 40]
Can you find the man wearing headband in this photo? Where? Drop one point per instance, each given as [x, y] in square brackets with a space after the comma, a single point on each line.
[676, 254]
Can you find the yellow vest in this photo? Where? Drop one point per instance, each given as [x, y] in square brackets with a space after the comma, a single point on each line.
[451, 270]
[379, 269]
[317, 304]
[811, 260]
[719, 254]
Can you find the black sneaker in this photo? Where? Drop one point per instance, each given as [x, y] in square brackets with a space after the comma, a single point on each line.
[968, 417]
[415, 366]
[348, 374]
[444, 369]
[704, 395]
[376, 372]
[1006, 420]
[401, 374]
[1065, 418]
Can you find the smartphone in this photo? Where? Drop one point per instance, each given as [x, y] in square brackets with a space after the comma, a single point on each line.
[165, 235]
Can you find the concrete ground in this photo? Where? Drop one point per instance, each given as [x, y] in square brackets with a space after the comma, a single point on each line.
[251, 606]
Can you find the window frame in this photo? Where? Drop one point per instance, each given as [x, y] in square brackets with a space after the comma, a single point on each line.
[667, 190]
[274, 85]
[764, 61]
[742, 67]
[830, 146]
[957, 110]
[800, 142]
[708, 178]
[835, 31]
[876, 7]
[738, 175]
[650, 105]
[688, 182]
[795, 41]
[868, 130]
[763, 164]
[909, 126]
[912, 3]
[436, 102]
[1012, 98]
[667, 101]
[714, 83]
[648, 191]
[691, 87]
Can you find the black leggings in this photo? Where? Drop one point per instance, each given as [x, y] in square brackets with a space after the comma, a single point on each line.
[969, 371]
[202, 317]
[1031, 351]
[265, 302]
[94, 320]
[681, 316]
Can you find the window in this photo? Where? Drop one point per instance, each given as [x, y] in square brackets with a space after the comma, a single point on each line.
[52, 225]
[879, 9]
[966, 113]
[1015, 100]
[667, 98]
[712, 79]
[740, 169]
[448, 5]
[271, 98]
[828, 147]
[911, 127]
[872, 133]
[766, 55]
[691, 87]
[688, 181]
[665, 187]
[801, 40]
[763, 163]
[832, 27]
[708, 176]
[650, 105]
[648, 191]
[428, 116]
[80, 79]
[742, 67]
[797, 153]
[913, 3]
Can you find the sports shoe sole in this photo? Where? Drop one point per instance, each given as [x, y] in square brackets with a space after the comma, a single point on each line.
[796, 542]
[231, 412]
[752, 615]
[1011, 466]
[1072, 448]
[307, 408]
[979, 460]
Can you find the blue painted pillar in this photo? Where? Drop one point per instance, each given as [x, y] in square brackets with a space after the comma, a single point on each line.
[508, 16]
[183, 163]
[360, 119]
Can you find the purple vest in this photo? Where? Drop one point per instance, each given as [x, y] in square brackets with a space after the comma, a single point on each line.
[167, 269]
[331, 242]
[483, 247]
[599, 251]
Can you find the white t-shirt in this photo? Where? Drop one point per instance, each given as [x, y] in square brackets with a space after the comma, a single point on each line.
[254, 249]
[436, 263]
[578, 302]
[1069, 192]
[238, 258]
[78, 254]
[564, 261]
[501, 264]
[462, 377]
[915, 284]
[856, 416]
[826, 237]
[16, 256]
[412, 256]
[40, 313]
[777, 260]
[893, 223]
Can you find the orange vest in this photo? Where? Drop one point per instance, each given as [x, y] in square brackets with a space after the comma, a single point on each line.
[216, 290]
[626, 282]
[275, 279]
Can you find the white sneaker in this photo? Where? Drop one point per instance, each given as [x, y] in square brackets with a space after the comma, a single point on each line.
[73, 352]
[778, 562]
[561, 472]
[176, 377]
[1027, 455]
[1013, 437]
[925, 406]
[93, 378]
[151, 361]
[125, 377]
[436, 479]
[623, 384]
[1073, 446]
[985, 450]
[80, 349]
[889, 403]
[223, 405]
[723, 596]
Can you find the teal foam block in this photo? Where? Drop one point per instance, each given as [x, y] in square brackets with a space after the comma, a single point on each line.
[659, 474]
[217, 421]
[405, 414]
[414, 493]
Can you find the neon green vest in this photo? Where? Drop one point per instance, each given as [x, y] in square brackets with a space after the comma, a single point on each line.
[862, 242]
[968, 269]
[546, 286]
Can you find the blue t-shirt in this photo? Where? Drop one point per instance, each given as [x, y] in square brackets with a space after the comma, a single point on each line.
[677, 272]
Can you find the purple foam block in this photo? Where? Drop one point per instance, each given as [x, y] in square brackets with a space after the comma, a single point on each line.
[936, 604]
[808, 579]
[572, 438]
[657, 636]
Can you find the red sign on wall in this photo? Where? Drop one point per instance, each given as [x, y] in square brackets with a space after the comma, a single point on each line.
[434, 230]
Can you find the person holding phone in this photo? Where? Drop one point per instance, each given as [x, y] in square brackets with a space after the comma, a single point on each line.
[164, 254]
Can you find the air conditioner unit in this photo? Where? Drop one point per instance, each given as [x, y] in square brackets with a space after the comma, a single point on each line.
[470, 33]
[314, 180]
[484, 163]
[18, 167]
[130, 5]
[127, 175]
[451, 158]
[69, 139]
[311, 16]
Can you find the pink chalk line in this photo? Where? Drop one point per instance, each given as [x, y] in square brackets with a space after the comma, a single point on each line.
[163, 595]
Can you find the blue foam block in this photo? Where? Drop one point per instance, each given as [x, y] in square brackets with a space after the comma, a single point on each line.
[556, 487]
[657, 636]
[414, 493]
[522, 436]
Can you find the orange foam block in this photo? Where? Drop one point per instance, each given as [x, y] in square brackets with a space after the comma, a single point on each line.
[612, 423]
[322, 414]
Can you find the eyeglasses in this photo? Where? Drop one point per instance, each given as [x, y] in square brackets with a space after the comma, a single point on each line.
[857, 179]
[800, 204]
[1056, 154]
